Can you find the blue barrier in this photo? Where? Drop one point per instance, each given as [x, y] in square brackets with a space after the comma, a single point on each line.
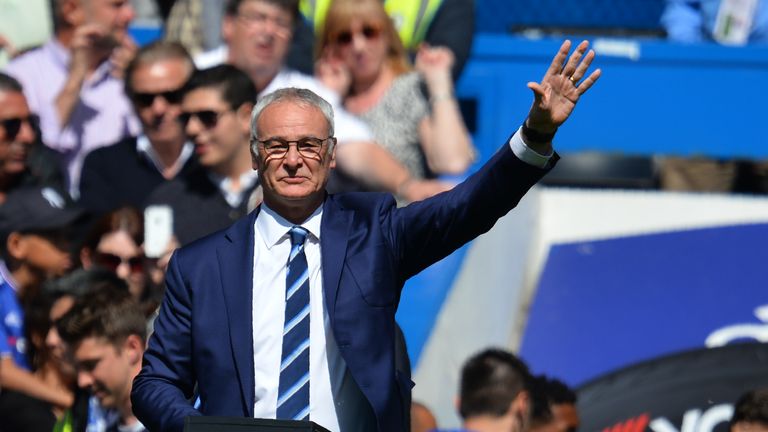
[654, 97]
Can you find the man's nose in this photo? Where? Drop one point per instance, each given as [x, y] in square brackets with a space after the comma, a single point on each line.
[159, 105]
[52, 339]
[293, 158]
[26, 133]
[84, 379]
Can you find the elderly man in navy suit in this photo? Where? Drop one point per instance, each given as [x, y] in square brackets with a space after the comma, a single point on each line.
[290, 312]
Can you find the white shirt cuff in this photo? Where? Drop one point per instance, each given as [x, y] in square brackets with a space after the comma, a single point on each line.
[525, 153]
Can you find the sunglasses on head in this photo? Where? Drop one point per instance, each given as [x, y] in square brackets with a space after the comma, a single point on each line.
[12, 126]
[208, 118]
[111, 262]
[147, 99]
[369, 31]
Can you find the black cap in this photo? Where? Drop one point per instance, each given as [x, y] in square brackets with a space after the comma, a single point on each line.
[36, 209]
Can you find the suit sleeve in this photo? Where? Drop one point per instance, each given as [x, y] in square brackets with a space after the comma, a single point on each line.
[427, 231]
[162, 390]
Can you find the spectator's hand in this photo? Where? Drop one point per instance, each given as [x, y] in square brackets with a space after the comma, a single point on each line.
[434, 64]
[334, 74]
[157, 272]
[562, 86]
[7, 46]
[417, 190]
[122, 55]
[86, 46]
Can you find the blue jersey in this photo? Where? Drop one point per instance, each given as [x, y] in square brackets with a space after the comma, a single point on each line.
[12, 340]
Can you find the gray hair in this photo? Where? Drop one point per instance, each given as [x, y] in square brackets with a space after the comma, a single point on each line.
[299, 96]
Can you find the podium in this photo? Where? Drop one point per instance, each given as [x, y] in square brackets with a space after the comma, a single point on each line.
[244, 424]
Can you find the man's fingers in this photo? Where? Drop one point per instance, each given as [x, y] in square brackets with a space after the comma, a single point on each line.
[557, 62]
[573, 61]
[583, 66]
[587, 83]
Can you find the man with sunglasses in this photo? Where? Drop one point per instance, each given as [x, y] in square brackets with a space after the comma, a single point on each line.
[258, 35]
[290, 313]
[126, 173]
[215, 114]
[24, 161]
[74, 81]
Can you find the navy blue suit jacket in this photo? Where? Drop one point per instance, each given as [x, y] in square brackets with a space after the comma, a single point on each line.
[369, 249]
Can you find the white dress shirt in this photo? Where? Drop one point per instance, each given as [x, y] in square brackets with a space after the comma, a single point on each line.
[335, 401]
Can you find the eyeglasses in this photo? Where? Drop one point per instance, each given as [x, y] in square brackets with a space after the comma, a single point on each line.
[369, 31]
[12, 126]
[308, 147]
[252, 20]
[208, 118]
[144, 100]
[112, 262]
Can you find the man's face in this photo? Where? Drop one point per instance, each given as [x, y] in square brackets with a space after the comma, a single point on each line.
[113, 16]
[293, 179]
[47, 252]
[565, 418]
[107, 370]
[258, 36]
[220, 134]
[16, 133]
[157, 98]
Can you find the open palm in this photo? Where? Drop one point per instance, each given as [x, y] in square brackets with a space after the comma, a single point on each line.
[562, 86]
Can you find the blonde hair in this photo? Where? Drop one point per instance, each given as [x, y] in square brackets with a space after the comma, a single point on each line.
[339, 18]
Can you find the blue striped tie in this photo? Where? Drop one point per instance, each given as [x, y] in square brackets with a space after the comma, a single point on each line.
[293, 393]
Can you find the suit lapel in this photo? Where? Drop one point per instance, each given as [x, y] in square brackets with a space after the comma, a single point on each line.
[335, 233]
[236, 264]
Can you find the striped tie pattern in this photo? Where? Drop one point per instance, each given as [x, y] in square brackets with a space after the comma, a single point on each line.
[293, 392]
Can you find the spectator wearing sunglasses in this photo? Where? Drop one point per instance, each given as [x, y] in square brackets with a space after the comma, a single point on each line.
[74, 82]
[258, 36]
[126, 173]
[114, 243]
[34, 230]
[428, 136]
[24, 161]
[215, 114]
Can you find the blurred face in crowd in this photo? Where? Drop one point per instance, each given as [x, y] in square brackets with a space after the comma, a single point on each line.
[293, 179]
[16, 133]
[362, 48]
[157, 93]
[361, 35]
[118, 252]
[108, 370]
[565, 418]
[52, 340]
[113, 16]
[45, 252]
[258, 36]
[744, 426]
[220, 133]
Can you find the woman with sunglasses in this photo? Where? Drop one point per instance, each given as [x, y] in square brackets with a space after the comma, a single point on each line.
[363, 59]
[115, 243]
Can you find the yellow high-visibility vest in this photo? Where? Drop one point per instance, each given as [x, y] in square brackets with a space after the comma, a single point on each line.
[411, 18]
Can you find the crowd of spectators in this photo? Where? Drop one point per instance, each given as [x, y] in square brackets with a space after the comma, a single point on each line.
[94, 129]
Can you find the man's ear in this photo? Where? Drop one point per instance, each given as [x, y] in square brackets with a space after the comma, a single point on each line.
[333, 156]
[521, 410]
[228, 28]
[244, 117]
[133, 348]
[72, 12]
[16, 245]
